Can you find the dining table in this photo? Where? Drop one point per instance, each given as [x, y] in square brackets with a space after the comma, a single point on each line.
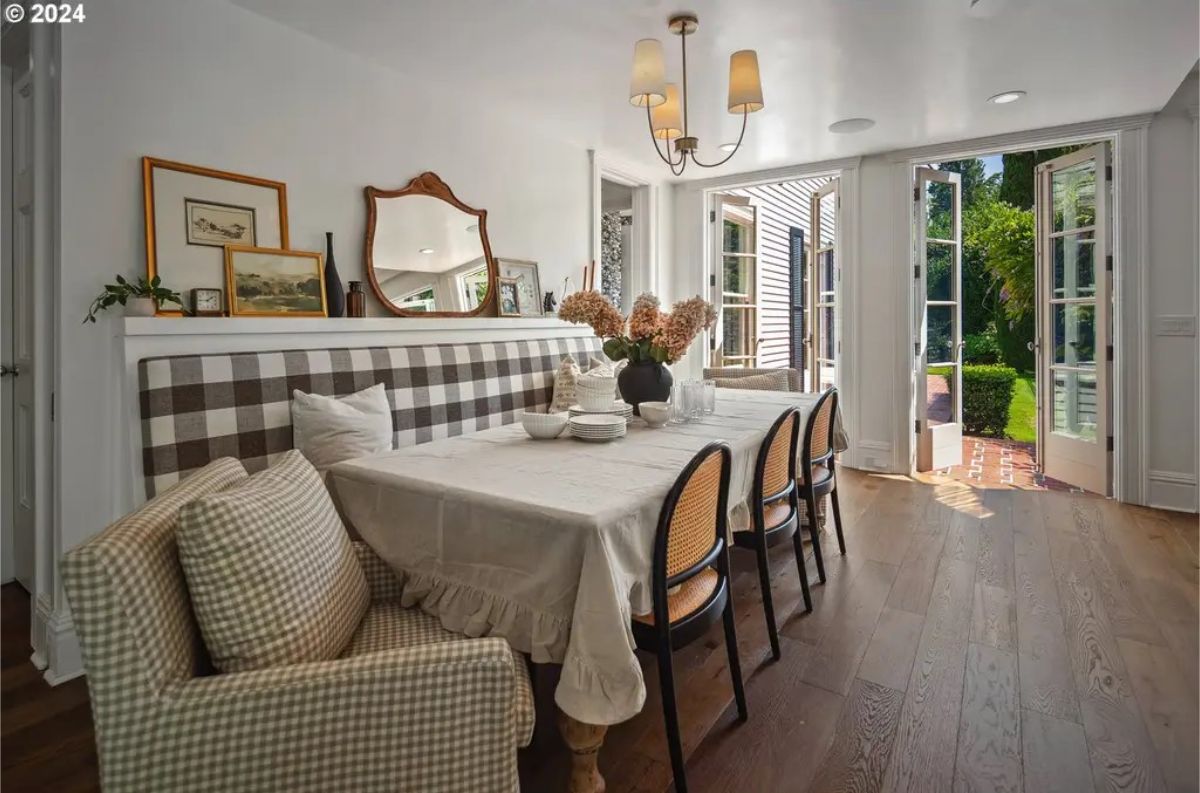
[549, 543]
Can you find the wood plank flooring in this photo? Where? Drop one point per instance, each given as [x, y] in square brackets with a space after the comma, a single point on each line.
[971, 640]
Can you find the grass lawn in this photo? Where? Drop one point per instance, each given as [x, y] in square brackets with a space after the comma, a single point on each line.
[1022, 411]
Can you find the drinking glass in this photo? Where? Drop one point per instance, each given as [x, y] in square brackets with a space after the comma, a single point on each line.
[693, 399]
[710, 396]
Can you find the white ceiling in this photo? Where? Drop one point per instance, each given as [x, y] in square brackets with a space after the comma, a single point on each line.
[922, 69]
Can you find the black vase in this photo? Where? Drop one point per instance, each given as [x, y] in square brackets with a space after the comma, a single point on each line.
[647, 381]
[335, 295]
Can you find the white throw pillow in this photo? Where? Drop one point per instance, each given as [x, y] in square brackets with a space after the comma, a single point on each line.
[327, 430]
[564, 385]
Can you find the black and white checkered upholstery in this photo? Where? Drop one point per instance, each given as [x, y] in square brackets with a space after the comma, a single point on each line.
[198, 408]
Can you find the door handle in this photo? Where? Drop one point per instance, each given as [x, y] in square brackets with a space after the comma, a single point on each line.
[13, 370]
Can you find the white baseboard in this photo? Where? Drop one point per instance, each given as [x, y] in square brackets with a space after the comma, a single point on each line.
[1174, 490]
[55, 645]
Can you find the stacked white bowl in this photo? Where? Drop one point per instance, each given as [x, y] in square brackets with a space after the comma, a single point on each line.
[596, 392]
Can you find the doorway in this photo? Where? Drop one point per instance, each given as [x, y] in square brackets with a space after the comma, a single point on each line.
[1013, 318]
[616, 243]
[776, 278]
[17, 301]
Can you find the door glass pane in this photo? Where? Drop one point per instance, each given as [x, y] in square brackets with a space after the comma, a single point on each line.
[1074, 196]
[737, 280]
[939, 269]
[939, 210]
[826, 273]
[940, 334]
[827, 228]
[828, 341]
[1074, 334]
[739, 230]
[940, 395]
[738, 329]
[1074, 265]
[1075, 404]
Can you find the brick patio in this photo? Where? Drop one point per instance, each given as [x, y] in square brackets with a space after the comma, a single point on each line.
[995, 462]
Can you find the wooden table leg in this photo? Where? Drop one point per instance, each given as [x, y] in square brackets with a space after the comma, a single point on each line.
[584, 741]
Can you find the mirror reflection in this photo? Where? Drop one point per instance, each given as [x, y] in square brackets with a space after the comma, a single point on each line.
[426, 254]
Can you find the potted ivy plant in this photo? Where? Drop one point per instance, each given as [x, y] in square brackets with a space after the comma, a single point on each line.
[140, 298]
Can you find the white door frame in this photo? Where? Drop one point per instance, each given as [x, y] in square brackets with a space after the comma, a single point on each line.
[643, 254]
[1127, 136]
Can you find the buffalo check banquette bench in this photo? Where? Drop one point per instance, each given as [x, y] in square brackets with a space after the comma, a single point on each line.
[408, 705]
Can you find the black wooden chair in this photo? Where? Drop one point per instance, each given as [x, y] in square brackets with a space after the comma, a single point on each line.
[690, 553]
[816, 476]
[775, 511]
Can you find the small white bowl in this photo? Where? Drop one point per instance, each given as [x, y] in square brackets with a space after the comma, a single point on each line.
[656, 414]
[595, 399]
[544, 426]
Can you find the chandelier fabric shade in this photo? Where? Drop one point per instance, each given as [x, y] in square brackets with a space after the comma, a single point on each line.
[648, 87]
[745, 87]
[667, 106]
[666, 120]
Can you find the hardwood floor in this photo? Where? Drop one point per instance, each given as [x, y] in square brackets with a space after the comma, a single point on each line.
[971, 640]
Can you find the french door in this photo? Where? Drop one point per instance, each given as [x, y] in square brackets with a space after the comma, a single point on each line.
[1074, 302]
[824, 344]
[938, 335]
[735, 282]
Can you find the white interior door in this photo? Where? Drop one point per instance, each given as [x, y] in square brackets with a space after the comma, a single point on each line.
[1073, 344]
[938, 346]
[734, 283]
[825, 343]
[16, 329]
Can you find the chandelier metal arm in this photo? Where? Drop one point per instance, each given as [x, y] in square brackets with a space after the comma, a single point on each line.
[676, 167]
[736, 146]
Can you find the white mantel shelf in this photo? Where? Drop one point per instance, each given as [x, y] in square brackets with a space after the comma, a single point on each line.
[292, 326]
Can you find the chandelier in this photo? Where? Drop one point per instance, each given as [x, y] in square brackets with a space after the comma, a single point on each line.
[667, 107]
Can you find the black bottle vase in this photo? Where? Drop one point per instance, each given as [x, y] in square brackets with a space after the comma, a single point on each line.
[335, 295]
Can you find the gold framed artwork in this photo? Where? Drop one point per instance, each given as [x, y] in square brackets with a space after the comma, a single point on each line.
[192, 213]
[509, 303]
[269, 282]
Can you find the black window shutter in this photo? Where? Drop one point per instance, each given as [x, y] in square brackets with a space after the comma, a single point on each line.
[799, 293]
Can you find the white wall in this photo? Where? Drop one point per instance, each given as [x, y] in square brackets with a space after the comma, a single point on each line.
[208, 83]
[1171, 290]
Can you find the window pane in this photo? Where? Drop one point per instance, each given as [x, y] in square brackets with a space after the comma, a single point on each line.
[940, 397]
[825, 271]
[1074, 265]
[827, 206]
[1074, 334]
[739, 231]
[1075, 405]
[1074, 196]
[828, 341]
[939, 267]
[939, 334]
[737, 280]
[939, 210]
[737, 331]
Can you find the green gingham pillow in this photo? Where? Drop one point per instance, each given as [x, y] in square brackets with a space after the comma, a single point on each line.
[273, 577]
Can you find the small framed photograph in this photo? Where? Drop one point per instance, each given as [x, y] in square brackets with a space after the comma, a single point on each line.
[509, 302]
[268, 282]
[207, 302]
[529, 286]
[218, 225]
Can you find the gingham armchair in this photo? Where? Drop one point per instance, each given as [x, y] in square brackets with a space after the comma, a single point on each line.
[408, 706]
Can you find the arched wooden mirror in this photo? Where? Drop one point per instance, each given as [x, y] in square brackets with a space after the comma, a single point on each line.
[427, 253]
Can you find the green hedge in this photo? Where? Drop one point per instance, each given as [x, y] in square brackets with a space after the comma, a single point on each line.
[987, 393]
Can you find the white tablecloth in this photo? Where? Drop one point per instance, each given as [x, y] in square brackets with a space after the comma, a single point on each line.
[546, 543]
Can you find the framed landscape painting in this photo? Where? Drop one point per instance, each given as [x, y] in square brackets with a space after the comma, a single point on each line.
[267, 282]
[218, 225]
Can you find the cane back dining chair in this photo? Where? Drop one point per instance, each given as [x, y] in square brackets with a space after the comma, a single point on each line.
[816, 476]
[690, 582]
[775, 511]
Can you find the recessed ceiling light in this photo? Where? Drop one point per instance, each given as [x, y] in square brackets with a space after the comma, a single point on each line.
[848, 125]
[425, 250]
[727, 146]
[474, 227]
[1006, 97]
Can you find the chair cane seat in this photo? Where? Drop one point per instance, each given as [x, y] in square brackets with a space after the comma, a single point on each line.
[692, 595]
